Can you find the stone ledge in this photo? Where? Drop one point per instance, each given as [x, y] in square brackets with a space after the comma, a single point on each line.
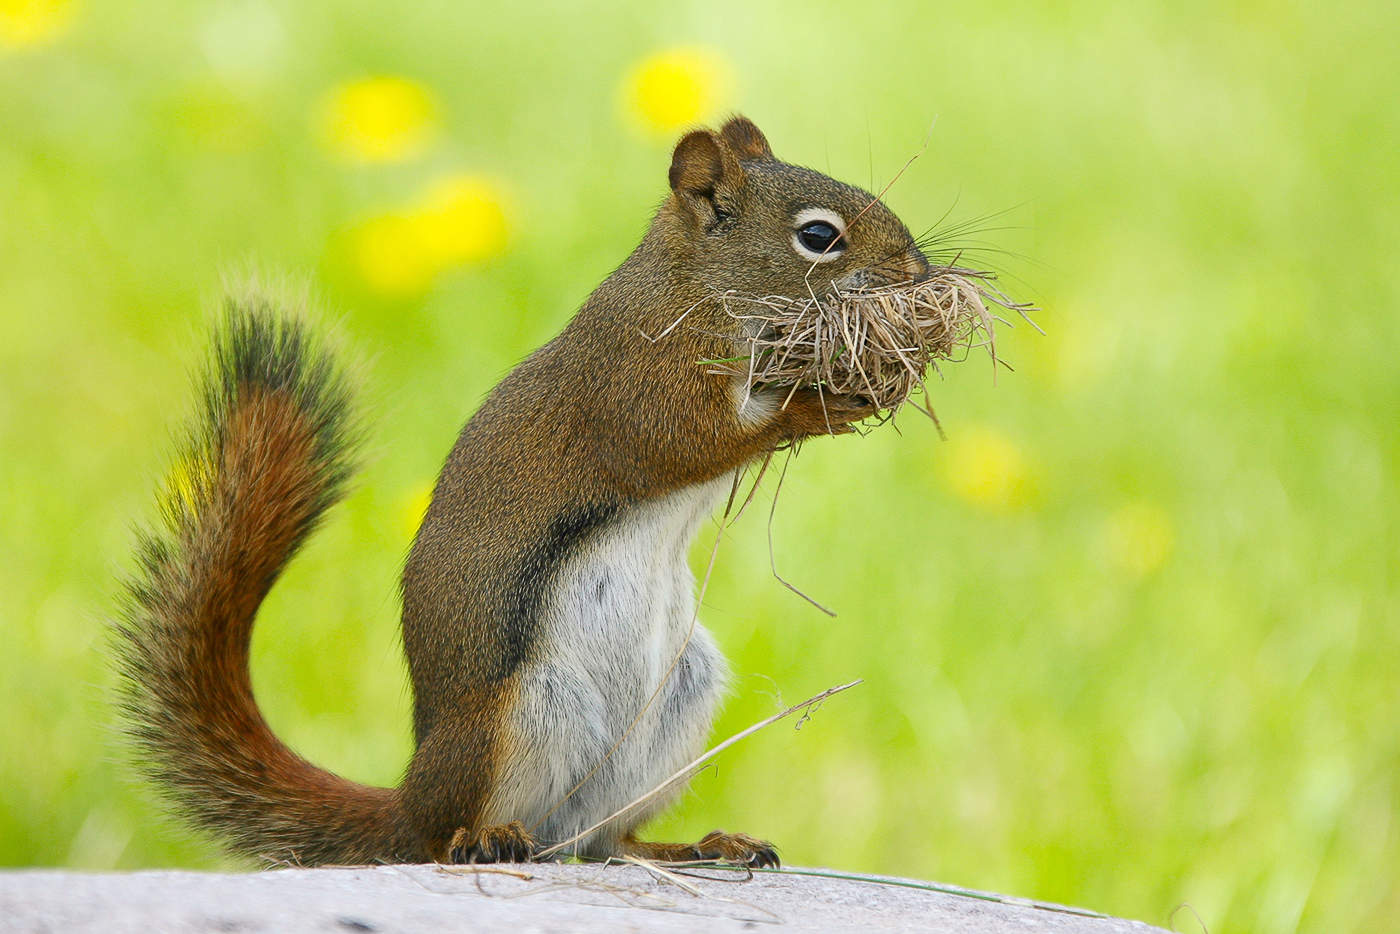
[548, 897]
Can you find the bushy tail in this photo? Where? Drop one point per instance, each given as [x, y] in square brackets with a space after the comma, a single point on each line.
[271, 450]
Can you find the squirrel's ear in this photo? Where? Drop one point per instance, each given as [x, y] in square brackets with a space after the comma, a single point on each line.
[746, 139]
[697, 165]
[704, 170]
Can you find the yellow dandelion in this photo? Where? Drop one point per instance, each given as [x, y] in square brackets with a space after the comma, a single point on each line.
[459, 219]
[462, 220]
[987, 469]
[415, 506]
[390, 255]
[385, 118]
[1077, 353]
[676, 88]
[187, 477]
[33, 22]
[1138, 538]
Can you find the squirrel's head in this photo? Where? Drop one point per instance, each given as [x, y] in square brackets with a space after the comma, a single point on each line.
[741, 220]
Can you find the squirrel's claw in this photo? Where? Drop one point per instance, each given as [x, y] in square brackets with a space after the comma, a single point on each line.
[738, 848]
[501, 843]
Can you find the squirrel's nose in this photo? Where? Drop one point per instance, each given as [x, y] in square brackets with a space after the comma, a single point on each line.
[916, 264]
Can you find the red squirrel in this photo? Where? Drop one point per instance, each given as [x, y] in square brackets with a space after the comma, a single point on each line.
[547, 592]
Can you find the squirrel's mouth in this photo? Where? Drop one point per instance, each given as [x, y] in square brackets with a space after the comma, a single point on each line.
[908, 268]
[867, 337]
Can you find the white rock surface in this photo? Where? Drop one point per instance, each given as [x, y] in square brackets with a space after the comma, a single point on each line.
[546, 897]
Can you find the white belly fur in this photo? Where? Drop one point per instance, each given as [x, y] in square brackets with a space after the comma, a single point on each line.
[619, 613]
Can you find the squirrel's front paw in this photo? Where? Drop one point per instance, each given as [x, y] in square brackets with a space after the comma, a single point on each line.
[737, 848]
[501, 843]
[814, 412]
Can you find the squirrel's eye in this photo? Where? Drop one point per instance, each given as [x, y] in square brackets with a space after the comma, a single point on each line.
[819, 238]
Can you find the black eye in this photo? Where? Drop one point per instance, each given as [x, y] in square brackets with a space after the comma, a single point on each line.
[818, 236]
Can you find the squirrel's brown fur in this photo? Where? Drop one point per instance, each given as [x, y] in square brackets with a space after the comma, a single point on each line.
[606, 417]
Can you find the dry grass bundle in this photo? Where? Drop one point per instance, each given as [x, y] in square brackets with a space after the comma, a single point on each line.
[876, 342]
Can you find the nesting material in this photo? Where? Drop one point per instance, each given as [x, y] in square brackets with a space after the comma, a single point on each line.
[876, 342]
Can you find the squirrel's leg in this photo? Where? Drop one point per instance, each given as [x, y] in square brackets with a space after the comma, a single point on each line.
[448, 786]
[716, 846]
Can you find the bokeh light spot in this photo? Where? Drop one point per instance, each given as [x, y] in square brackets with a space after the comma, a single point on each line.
[33, 22]
[414, 508]
[1138, 538]
[986, 468]
[184, 481]
[390, 255]
[676, 88]
[459, 220]
[462, 220]
[385, 118]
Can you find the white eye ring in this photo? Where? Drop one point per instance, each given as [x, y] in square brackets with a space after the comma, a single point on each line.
[823, 216]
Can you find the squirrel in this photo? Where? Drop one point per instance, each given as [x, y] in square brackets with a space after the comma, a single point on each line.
[547, 592]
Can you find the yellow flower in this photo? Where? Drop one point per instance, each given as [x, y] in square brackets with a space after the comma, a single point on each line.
[1077, 353]
[987, 469]
[1138, 538]
[33, 22]
[188, 476]
[391, 257]
[415, 506]
[459, 219]
[676, 88]
[462, 220]
[384, 118]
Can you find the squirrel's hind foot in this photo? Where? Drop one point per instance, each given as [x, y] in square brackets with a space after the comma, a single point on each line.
[716, 846]
[501, 843]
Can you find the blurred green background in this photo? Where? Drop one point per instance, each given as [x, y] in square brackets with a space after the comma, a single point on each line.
[1130, 636]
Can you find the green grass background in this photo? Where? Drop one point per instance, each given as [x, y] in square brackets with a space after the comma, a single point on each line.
[1204, 202]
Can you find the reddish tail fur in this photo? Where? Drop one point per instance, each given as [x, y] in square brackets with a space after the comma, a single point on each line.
[271, 451]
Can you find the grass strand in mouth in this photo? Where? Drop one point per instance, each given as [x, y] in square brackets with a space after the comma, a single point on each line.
[872, 341]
